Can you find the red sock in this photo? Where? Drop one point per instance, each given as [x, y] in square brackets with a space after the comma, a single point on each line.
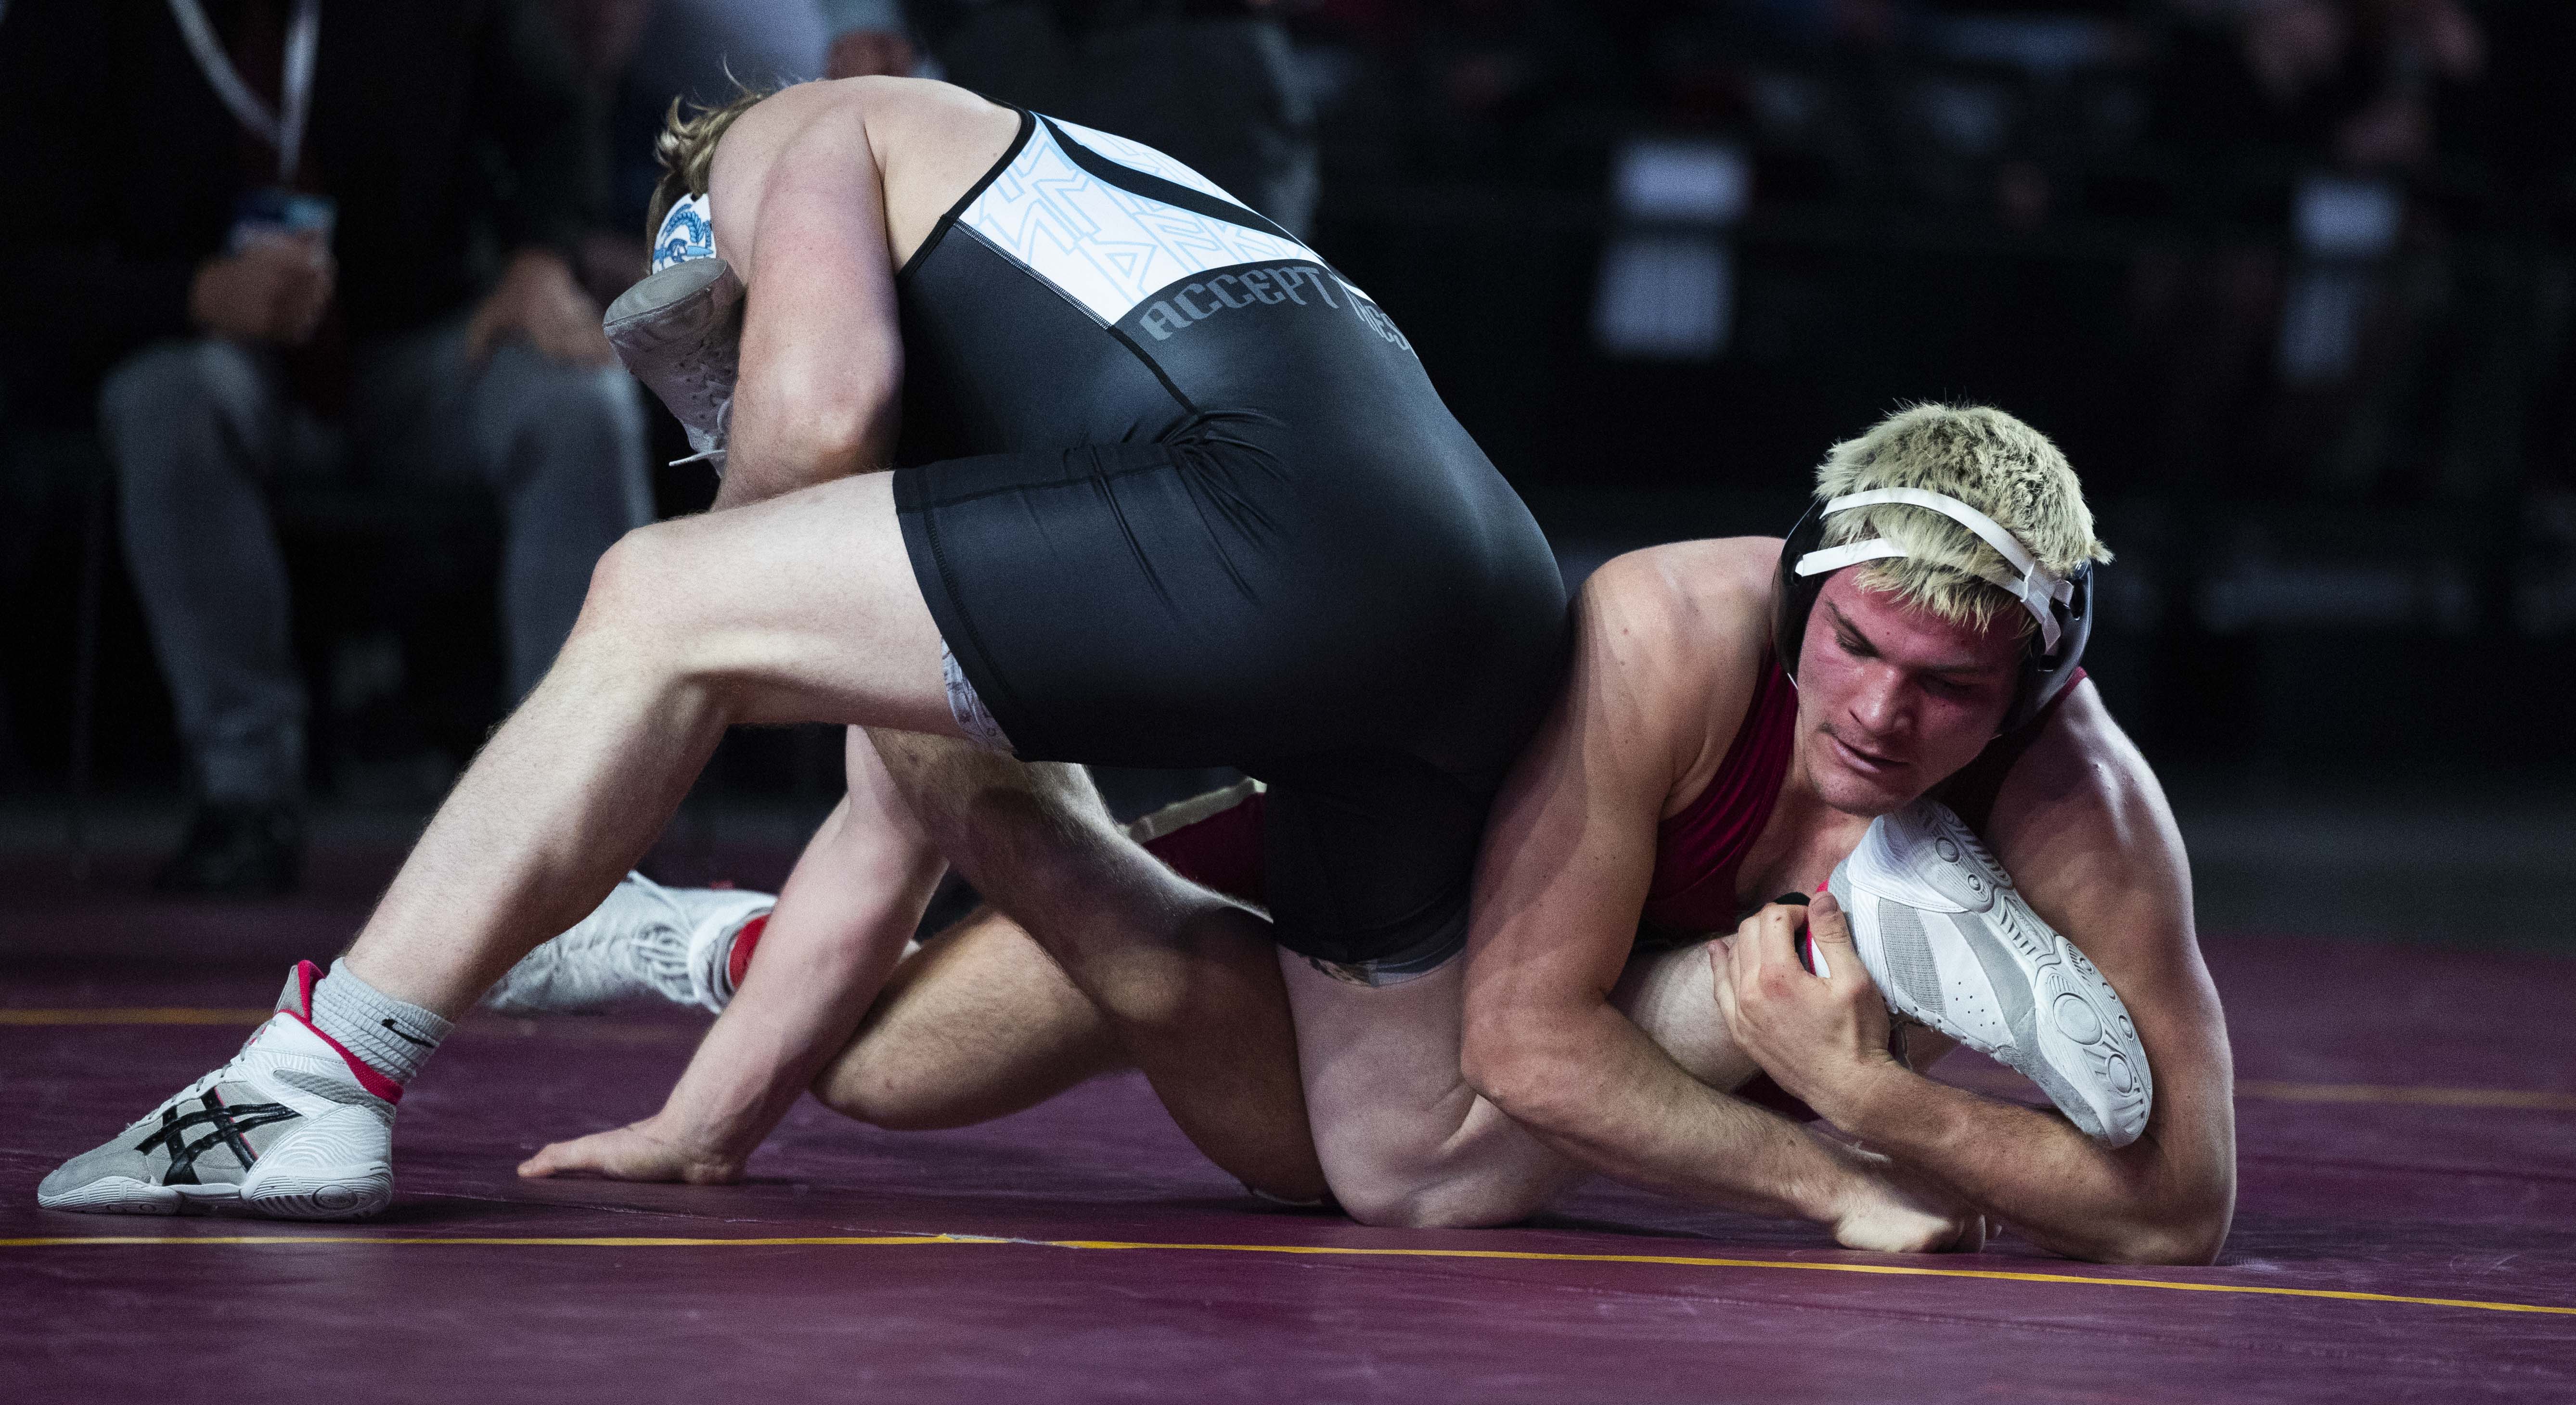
[744, 940]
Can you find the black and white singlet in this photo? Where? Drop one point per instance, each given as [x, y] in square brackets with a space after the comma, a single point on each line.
[1179, 495]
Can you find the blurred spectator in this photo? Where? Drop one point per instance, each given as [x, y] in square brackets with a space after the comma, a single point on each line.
[1208, 82]
[301, 243]
[641, 55]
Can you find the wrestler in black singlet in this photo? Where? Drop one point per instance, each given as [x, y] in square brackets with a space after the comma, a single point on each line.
[1178, 495]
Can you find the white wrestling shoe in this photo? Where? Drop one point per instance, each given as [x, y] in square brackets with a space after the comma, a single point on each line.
[1951, 944]
[680, 332]
[646, 942]
[293, 1128]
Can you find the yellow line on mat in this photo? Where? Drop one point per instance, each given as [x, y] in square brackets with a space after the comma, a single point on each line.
[1313, 1250]
[2383, 1093]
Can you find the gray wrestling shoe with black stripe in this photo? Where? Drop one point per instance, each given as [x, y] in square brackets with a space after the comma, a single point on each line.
[644, 943]
[293, 1128]
[1951, 944]
[680, 332]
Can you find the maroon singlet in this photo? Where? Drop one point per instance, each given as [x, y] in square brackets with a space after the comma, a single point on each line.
[1698, 852]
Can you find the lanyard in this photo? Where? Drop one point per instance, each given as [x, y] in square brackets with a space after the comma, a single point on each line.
[286, 133]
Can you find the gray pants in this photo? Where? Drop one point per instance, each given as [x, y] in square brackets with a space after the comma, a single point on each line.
[196, 428]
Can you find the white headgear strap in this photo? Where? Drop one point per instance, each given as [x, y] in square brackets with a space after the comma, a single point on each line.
[2037, 587]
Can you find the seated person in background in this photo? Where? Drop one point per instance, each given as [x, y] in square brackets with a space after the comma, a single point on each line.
[265, 229]
[1682, 776]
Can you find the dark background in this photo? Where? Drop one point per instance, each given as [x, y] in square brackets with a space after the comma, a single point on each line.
[2355, 587]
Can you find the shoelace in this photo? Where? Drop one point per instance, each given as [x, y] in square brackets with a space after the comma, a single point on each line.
[192, 1090]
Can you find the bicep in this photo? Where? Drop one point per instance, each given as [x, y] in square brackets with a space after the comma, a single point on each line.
[821, 352]
[1569, 850]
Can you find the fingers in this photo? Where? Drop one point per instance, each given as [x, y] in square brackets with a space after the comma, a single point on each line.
[1829, 927]
[1721, 965]
[1775, 934]
[557, 1157]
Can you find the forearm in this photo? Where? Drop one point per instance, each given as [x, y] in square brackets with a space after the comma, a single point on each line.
[840, 926]
[2032, 1168]
[762, 1052]
[766, 459]
[1625, 1109]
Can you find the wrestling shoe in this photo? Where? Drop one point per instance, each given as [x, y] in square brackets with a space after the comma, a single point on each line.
[680, 332]
[646, 942]
[294, 1128]
[1951, 944]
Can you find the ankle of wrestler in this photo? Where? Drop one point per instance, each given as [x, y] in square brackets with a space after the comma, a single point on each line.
[394, 1037]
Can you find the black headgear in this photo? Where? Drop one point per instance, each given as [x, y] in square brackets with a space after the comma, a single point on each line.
[2063, 608]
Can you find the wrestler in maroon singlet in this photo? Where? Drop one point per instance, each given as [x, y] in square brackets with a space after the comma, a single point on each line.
[1697, 852]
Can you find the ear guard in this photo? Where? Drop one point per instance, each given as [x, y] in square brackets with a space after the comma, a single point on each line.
[688, 232]
[2063, 607]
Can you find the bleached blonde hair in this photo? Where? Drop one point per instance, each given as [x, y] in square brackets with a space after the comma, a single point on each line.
[1984, 458]
[686, 147]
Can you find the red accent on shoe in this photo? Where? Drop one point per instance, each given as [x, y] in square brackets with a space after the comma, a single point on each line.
[744, 941]
[307, 976]
[366, 1074]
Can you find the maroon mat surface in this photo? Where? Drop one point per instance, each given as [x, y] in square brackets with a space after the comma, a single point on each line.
[2407, 1123]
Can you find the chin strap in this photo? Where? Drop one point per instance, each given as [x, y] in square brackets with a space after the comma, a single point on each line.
[2037, 587]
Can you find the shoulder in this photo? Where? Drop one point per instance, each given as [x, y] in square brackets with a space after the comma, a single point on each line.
[2082, 767]
[1687, 600]
[891, 109]
[2082, 824]
[791, 114]
[1670, 644]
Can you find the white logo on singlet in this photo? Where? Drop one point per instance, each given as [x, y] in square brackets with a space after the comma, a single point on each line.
[1105, 248]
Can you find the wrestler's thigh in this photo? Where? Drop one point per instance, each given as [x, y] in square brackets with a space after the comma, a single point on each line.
[977, 1023]
[1402, 1137]
[803, 607]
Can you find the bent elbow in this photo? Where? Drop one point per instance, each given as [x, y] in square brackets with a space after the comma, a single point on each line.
[1498, 1068]
[827, 424]
[1532, 1089]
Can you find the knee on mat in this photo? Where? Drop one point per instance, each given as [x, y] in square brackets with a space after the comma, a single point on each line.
[1387, 1203]
[1397, 1182]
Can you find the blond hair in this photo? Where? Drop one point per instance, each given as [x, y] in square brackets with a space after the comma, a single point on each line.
[1984, 458]
[686, 147]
